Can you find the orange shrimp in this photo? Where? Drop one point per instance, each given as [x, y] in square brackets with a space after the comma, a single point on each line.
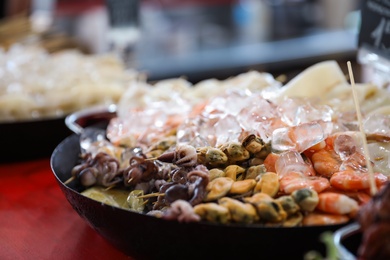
[270, 160]
[172, 122]
[292, 161]
[337, 203]
[299, 137]
[361, 196]
[346, 135]
[311, 150]
[356, 180]
[293, 181]
[326, 162]
[198, 108]
[320, 219]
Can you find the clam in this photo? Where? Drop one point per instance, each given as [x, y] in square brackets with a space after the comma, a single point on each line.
[212, 212]
[253, 144]
[218, 188]
[268, 184]
[243, 186]
[307, 199]
[240, 212]
[235, 152]
[232, 171]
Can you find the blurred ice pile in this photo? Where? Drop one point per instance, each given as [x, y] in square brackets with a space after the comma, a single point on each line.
[35, 84]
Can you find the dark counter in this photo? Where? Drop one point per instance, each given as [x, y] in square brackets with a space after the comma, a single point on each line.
[275, 57]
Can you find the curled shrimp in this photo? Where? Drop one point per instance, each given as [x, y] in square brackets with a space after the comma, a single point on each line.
[292, 161]
[296, 173]
[320, 219]
[270, 160]
[356, 180]
[339, 147]
[337, 203]
[326, 162]
[361, 196]
[293, 181]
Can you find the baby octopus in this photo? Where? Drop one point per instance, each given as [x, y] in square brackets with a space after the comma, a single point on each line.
[102, 170]
[139, 170]
[182, 211]
[193, 191]
[182, 156]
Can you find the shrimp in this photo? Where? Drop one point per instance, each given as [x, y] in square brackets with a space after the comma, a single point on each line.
[356, 180]
[342, 151]
[326, 162]
[319, 146]
[361, 196]
[295, 173]
[323, 157]
[337, 203]
[293, 181]
[270, 160]
[320, 219]
[292, 161]
[198, 108]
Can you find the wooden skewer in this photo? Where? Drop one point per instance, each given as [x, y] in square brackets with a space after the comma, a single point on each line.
[150, 195]
[69, 180]
[109, 187]
[373, 188]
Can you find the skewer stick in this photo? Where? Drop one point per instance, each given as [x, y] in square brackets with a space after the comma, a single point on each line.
[373, 188]
[109, 187]
[151, 159]
[69, 180]
[150, 195]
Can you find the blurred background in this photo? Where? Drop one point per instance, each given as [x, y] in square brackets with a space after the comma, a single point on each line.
[200, 39]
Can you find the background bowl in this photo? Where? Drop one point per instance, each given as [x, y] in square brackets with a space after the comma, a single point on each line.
[28, 140]
[147, 237]
[34, 139]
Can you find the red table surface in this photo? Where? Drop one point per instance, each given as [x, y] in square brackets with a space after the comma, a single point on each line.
[37, 222]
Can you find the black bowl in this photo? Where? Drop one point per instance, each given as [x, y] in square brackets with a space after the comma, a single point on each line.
[146, 237]
[35, 139]
[31, 139]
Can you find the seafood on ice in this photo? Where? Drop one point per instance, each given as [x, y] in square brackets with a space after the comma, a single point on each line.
[247, 149]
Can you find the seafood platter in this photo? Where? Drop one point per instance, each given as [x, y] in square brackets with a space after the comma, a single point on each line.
[241, 167]
[39, 89]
